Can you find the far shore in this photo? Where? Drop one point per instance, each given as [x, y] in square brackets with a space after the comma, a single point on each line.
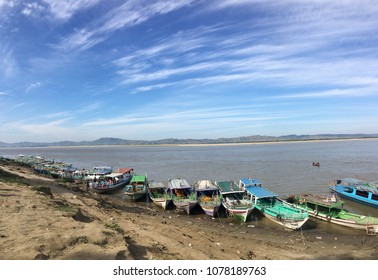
[203, 144]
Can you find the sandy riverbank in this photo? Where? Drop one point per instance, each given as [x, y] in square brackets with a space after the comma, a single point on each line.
[70, 223]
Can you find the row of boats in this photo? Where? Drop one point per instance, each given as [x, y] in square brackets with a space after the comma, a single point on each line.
[238, 198]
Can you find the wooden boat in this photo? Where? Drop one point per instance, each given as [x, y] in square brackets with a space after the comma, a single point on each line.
[329, 208]
[137, 187]
[273, 208]
[356, 190]
[208, 196]
[157, 192]
[183, 195]
[234, 200]
[111, 182]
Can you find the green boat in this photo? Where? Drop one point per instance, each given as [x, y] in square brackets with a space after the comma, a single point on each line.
[329, 208]
[137, 187]
[272, 207]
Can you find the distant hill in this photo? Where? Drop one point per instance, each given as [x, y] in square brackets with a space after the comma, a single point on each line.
[242, 139]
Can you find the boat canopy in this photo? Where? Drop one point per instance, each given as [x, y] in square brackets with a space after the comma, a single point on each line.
[260, 192]
[246, 182]
[113, 175]
[138, 178]
[156, 185]
[204, 185]
[229, 187]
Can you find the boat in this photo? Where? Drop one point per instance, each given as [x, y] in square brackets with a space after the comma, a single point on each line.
[356, 190]
[157, 192]
[273, 208]
[136, 189]
[329, 208]
[183, 195]
[208, 196]
[112, 181]
[234, 200]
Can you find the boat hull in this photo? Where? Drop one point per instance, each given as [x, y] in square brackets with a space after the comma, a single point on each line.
[210, 210]
[135, 196]
[240, 214]
[290, 224]
[162, 202]
[184, 205]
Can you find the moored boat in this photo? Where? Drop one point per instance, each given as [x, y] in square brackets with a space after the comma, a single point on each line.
[183, 195]
[157, 192]
[356, 190]
[234, 200]
[273, 208]
[136, 189]
[329, 208]
[112, 181]
[208, 196]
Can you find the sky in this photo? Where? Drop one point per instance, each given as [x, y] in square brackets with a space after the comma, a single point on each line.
[148, 70]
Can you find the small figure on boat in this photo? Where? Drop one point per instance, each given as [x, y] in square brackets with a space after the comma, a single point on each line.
[315, 163]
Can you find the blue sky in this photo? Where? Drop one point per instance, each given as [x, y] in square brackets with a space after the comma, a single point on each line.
[85, 69]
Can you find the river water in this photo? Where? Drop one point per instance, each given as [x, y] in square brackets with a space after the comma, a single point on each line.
[285, 168]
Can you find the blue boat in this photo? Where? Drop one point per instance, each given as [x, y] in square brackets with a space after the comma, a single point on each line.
[356, 190]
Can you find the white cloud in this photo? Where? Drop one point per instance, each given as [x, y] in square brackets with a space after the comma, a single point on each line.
[32, 9]
[64, 9]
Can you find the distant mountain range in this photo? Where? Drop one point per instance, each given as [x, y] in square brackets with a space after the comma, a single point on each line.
[168, 141]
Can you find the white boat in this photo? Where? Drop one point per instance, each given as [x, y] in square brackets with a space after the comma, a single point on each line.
[182, 193]
[234, 200]
[208, 196]
[157, 192]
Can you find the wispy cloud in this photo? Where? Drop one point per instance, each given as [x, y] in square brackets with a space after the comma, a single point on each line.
[314, 56]
[131, 13]
[8, 63]
[33, 86]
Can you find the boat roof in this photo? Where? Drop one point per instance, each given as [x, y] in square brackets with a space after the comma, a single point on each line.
[138, 178]
[250, 182]
[156, 185]
[124, 170]
[203, 185]
[229, 187]
[179, 183]
[260, 192]
[359, 185]
[113, 175]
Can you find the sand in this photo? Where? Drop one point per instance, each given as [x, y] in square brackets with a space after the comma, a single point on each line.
[42, 218]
